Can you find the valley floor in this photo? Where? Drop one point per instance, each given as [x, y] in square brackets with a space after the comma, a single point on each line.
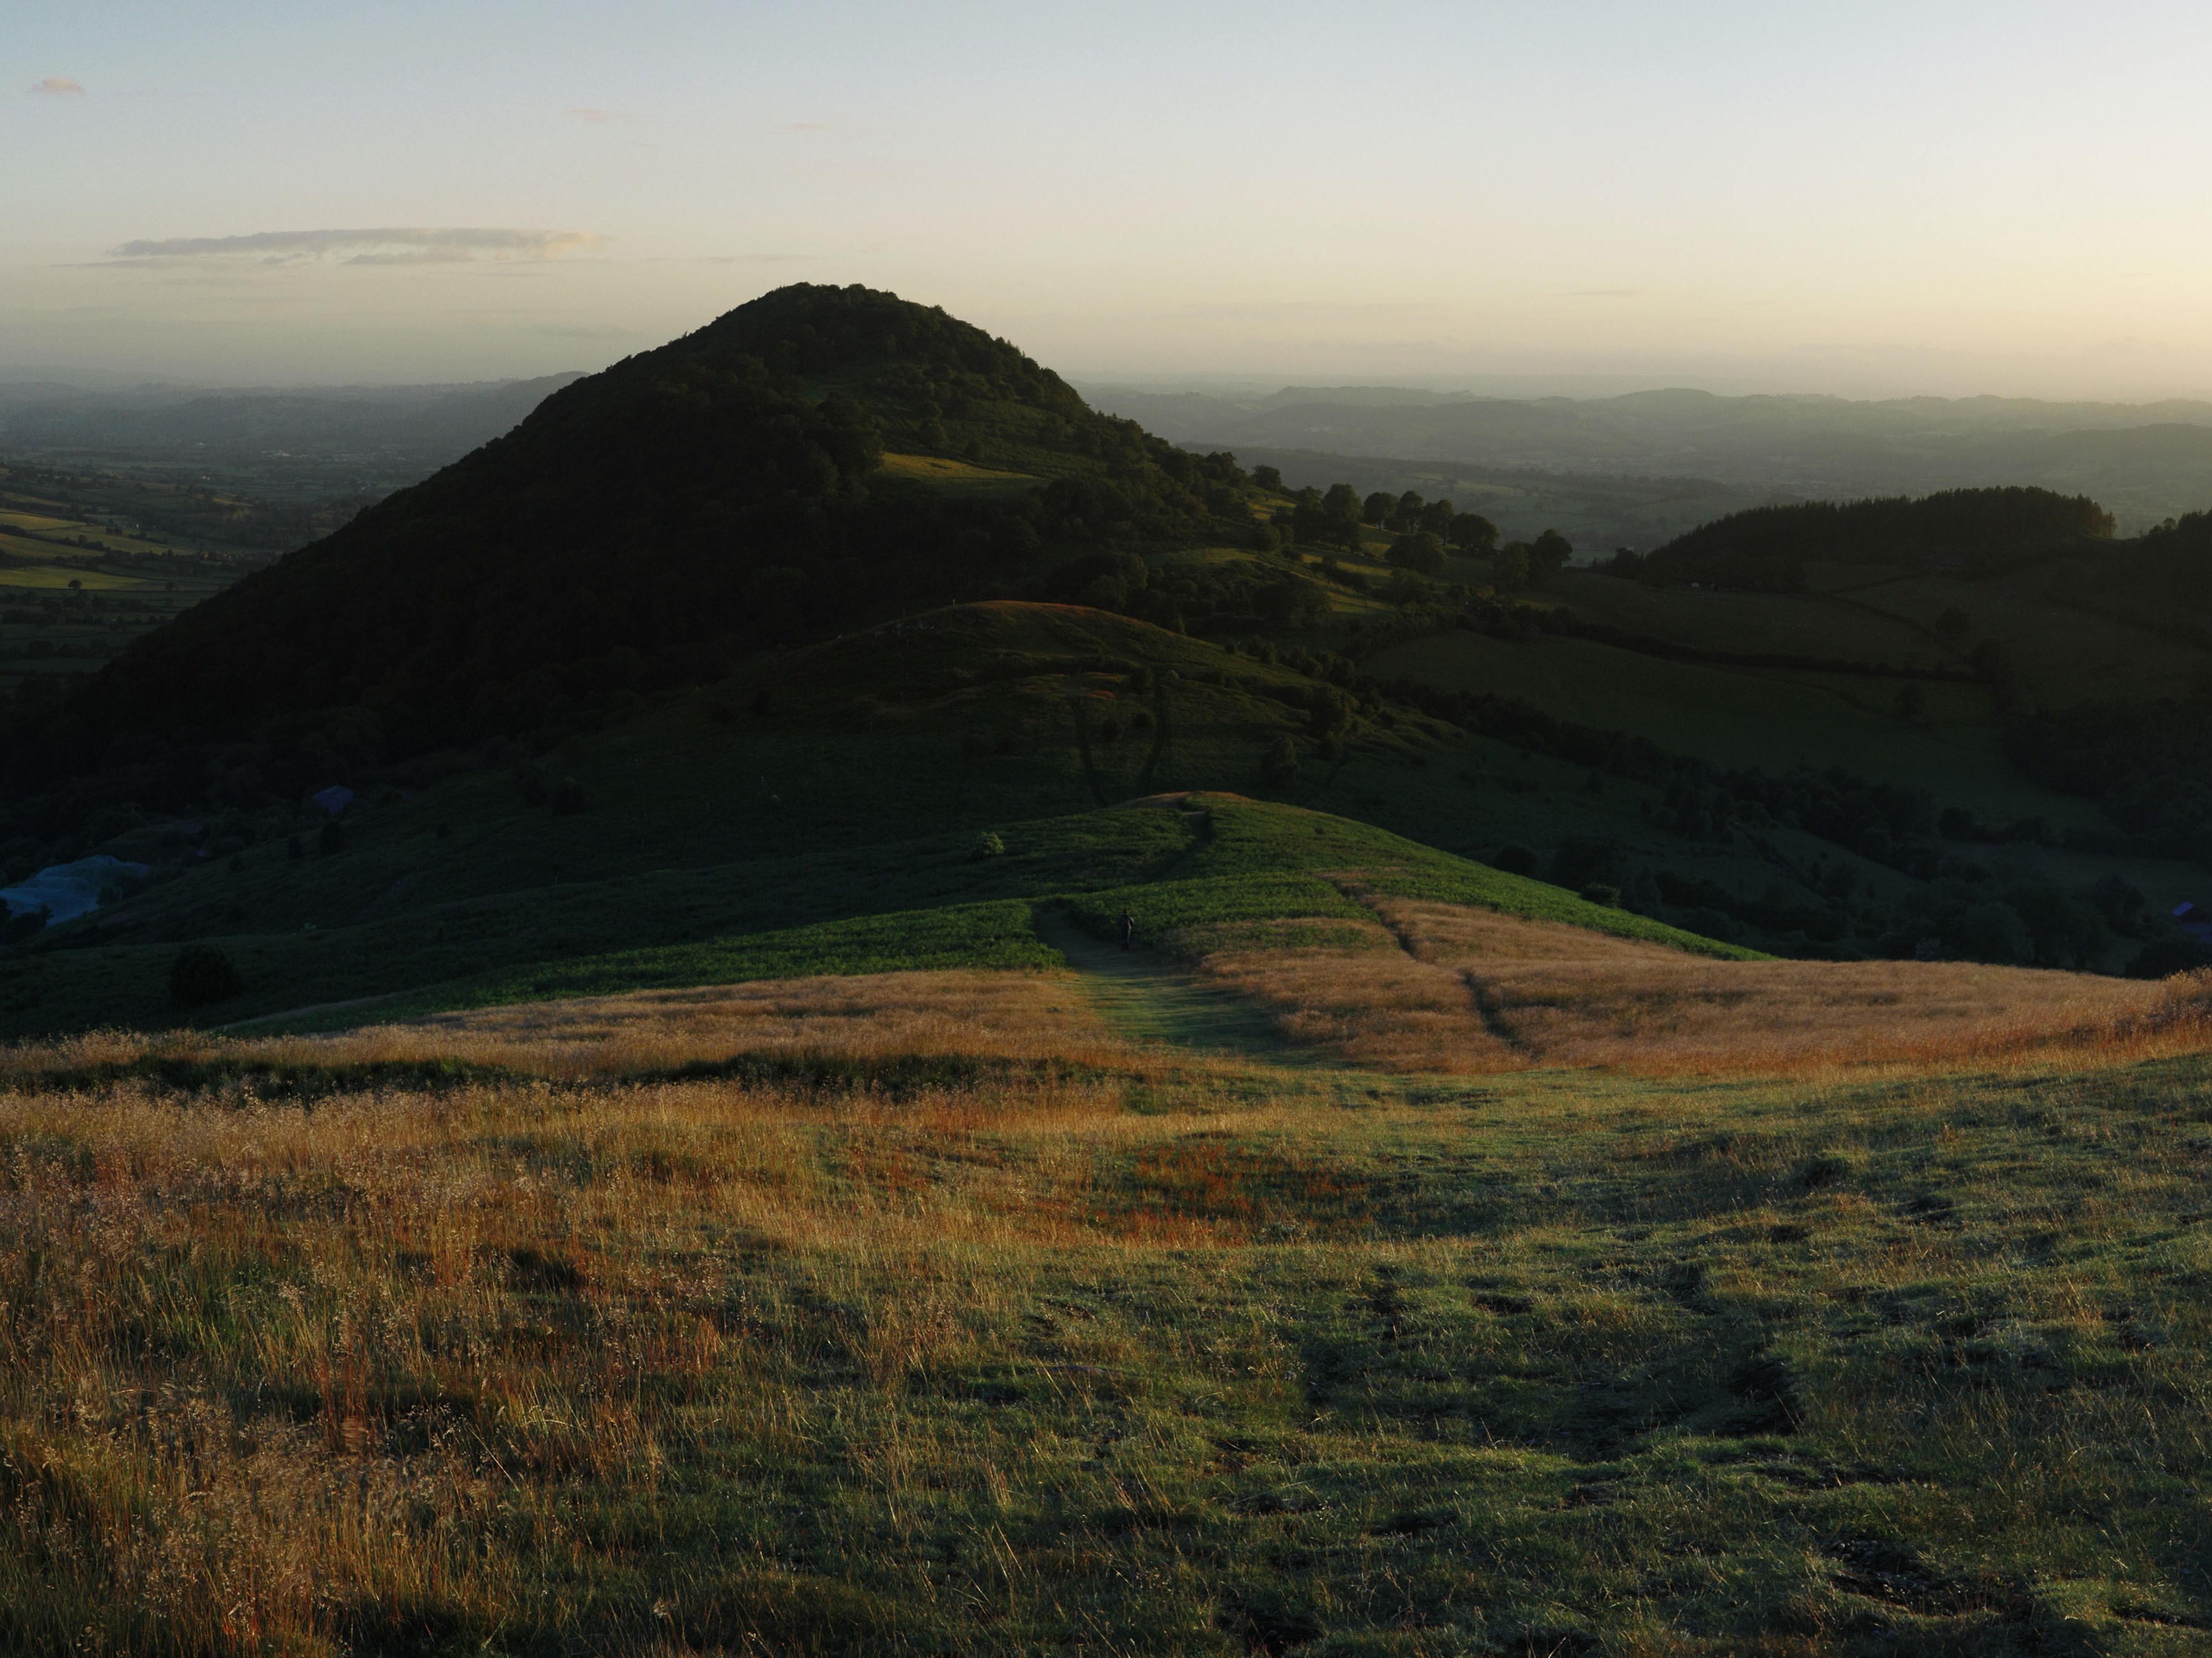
[967, 1311]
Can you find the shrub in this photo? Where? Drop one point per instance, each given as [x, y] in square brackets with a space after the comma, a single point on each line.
[1279, 765]
[1599, 893]
[202, 974]
[1422, 550]
[2168, 957]
[986, 845]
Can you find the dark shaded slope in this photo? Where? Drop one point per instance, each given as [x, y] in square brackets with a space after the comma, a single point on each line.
[721, 494]
[1976, 530]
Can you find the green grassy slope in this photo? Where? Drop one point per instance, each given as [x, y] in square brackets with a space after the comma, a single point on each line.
[1749, 717]
[912, 904]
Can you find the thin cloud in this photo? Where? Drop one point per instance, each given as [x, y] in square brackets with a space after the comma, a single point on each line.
[1264, 309]
[58, 86]
[594, 116]
[367, 247]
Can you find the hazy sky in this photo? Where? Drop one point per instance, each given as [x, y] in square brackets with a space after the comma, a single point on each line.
[1869, 198]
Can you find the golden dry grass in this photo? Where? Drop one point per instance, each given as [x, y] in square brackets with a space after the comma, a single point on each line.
[579, 1356]
[1015, 1016]
[1442, 987]
[469, 1298]
[1022, 1016]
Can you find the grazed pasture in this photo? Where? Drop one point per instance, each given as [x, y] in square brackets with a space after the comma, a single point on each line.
[918, 1315]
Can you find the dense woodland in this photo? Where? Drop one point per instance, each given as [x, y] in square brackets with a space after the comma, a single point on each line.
[1976, 531]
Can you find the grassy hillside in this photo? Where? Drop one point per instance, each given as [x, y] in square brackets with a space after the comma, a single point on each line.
[891, 904]
[716, 835]
[609, 684]
[923, 1314]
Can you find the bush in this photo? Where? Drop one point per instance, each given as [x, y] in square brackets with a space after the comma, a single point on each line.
[1422, 550]
[2168, 957]
[1514, 860]
[986, 845]
[1279, 765]
[202, 974]
[1598, 893]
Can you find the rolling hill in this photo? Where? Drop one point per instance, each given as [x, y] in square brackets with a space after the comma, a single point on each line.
[614, 1112]
[2146, 461]
[658, 686]
[645, 525]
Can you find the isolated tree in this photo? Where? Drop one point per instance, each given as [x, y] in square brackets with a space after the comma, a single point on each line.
[1509, 567]
[1378, 508]
[1279, 765]
[1437, 517]
[1472, 533]
[1340, 511]
[1548, 556]
[1953, 626]
[1406, 515]
[1269, 478]
[1911, 700]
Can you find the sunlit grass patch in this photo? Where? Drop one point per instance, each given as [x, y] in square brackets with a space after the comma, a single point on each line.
[554, 1347]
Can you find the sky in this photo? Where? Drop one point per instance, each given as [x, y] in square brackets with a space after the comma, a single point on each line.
[1873, 200]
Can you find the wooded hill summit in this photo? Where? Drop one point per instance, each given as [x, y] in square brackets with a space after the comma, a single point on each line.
[813, 459]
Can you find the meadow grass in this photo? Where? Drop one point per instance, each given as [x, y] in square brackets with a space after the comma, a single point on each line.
[1151, 1356]
[409, 939]
[1419, 985]
[1745, 717]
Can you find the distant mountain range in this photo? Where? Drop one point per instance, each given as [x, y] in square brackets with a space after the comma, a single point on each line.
[2145, 461]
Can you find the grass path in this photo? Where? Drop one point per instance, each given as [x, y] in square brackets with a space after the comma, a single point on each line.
[1144, 998]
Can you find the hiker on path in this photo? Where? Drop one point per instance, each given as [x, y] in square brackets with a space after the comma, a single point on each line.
[1128, 929]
